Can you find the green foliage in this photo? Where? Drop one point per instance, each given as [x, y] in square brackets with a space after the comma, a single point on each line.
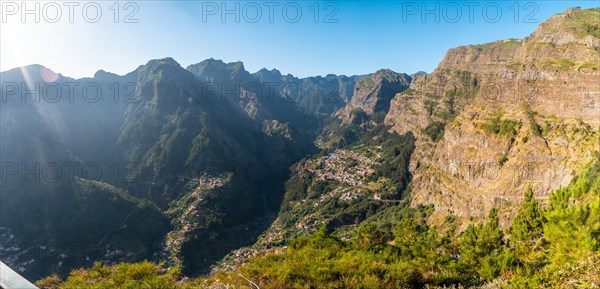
[583, 22]
[588, 66]
[528, 225]
[497, 125]
[527, 231]
[430, 106]
[573, 227]
[435, 131]
[502, 160]
[379, 116]
[555, 247]
[123, 275]
[369, 235]
[396, 152]
[564, 63]
[481, 246]
[560, 64]
[535, 127]
[369, 260]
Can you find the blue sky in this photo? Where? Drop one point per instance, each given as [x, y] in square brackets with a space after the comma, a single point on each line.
[344, 37]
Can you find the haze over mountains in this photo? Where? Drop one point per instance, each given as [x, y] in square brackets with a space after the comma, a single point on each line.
[146, 139]
[187, 165]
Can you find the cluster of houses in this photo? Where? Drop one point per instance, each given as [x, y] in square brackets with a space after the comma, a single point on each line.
[210, 181]
[350, 195]
[345, 166]
[205, 180]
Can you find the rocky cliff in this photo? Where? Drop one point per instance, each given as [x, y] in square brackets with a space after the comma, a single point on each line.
[506, 115]
[373, 94]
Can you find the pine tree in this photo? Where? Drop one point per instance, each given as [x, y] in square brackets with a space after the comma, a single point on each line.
[527, 231]
[368, 235]
[481, 245]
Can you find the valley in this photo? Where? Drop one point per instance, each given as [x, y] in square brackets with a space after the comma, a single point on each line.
[483, 173]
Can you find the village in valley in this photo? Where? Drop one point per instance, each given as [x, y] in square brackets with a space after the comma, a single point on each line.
[350, 168]
[331, 182]
[187, 210]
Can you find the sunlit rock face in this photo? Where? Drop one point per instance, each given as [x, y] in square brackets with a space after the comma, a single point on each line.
[545, 83]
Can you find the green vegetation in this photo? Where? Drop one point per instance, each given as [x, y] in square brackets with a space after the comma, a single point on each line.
[583, 22]
[396, 152]
[561, 64]
[552, 247]
[481, 249]
[430, 106]
[511, 41]
[338, 188]
[502, 160]
[588, 66]
[139, 275]
[564, 63]
[527, 232]
[504, 127]
[535, 127]
[463, 93]
[435, 131]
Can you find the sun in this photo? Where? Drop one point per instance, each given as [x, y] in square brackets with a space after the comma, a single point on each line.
[31, 42]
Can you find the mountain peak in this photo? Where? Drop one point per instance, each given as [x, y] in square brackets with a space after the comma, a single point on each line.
[268, 75]
[155, 66]
[212, 69]
[217, 64]
[104, 74]
[572, 26]
[418, 73]
[163, 61]
[384, 70]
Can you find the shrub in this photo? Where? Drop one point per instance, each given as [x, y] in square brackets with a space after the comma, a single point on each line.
[435, 131]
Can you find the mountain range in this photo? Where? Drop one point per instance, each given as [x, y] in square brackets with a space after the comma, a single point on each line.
[189, 166]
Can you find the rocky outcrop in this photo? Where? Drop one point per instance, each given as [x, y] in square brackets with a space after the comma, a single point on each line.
[268, 95]
[373, 93]
[517, 114]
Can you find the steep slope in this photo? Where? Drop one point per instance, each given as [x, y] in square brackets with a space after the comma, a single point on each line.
[365, 111]
[362, 170]
[181, 135]
[556, 246]
[373, 93]
[342, 188]
[57, 207]
[268, 95]
[208, 149]
[160, 144]
[507, 115]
